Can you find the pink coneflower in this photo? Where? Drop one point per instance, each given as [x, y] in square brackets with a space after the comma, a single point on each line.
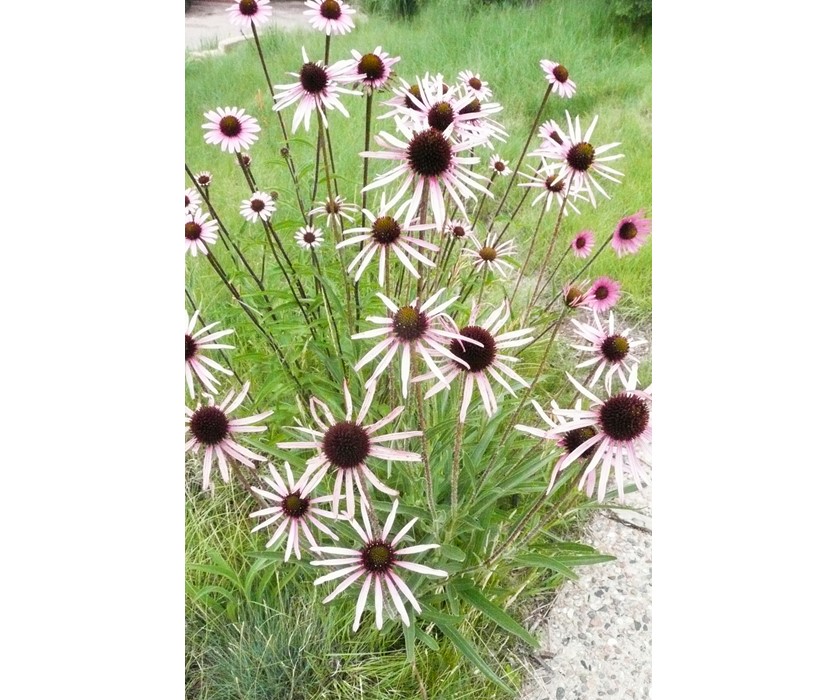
[603, 294]
[246, 11]
[438, 107]
[474, 86]
[378, 560]
[196, 362]
[622, 435]
[578, 157]
[330, 16]
[309, 237]
[201, 231]
[611, 350]
[630, 234]
[558, 77]
[375, 67]
[489, 255]
[210, 427]
[335, 209]
[499, 166]
[582, 244]
[411, 328]
[316, 88]
[575, 294]
[428, 159]
[567, 442]
[193, 200]
[386, 234]
[458, 228]
[483, 361]
[259, 206]
[550, 133]
[204, 178]
[294, 511]
[347, 445]
[553, 186]
[232, 128]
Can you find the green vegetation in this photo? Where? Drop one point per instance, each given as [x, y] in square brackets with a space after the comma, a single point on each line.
[252, 631]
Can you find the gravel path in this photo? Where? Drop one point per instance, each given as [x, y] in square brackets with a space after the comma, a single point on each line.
[598, 636]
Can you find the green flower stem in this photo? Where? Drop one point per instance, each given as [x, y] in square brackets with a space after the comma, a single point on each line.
[587, 264]
[523, 153]
[521, 403]
[220, 271]
[529, 252]
[429, 482]
[483, 196]
[458, 444]
[553, 238]
[511, 218]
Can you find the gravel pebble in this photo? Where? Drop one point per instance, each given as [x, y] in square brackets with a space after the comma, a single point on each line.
[599, 629]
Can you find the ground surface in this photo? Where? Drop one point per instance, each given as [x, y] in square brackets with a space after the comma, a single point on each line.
[597, 640]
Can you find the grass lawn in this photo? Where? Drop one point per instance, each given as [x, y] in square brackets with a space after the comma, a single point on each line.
[248, 636]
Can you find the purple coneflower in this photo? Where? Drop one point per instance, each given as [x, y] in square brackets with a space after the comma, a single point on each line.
[582, 244]
[386, 234]
[246, 11]
[622, 435]
[630, 234]
[553, 186]
[199, 364]
[316, 88]
[489, 255]
[603, 294]
[201, 231]
[309, 237]
[330, 16]
[335, 209]
[427, 159]
[499, 166]
[193, 200]
[378, 561]
[474, 86]
[346, 446]
[204, 178]
[611, 350]
[295, 510]
[375, 67]
[484, 361]
[259, 206]
[579, 158]
[558, 77]
[231, 128]
[413, 327]
[212, 428]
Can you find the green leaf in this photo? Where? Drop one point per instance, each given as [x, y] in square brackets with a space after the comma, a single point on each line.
[452, 552]
[410, 642]
[499, 616]
[539, 561]
[468, 650]
[426, 639]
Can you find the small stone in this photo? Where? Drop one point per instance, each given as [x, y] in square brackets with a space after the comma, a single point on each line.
[636, 625]
[559, 693]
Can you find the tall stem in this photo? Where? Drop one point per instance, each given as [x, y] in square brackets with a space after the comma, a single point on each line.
[458, 444]
[529, 252]
[587, 264]
[429, 482]
[523, 152]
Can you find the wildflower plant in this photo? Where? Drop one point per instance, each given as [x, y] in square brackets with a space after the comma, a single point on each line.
[367, 332]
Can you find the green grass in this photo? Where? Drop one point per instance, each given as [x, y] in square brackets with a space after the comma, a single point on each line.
[253, 631]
